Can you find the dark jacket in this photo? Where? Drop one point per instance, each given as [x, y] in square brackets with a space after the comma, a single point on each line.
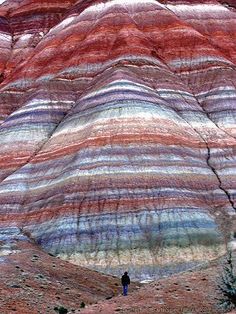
[125, 280]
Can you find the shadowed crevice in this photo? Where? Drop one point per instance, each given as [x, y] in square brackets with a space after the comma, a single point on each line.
[218, 177]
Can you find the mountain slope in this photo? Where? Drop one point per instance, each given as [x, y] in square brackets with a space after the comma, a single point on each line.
[118, 132]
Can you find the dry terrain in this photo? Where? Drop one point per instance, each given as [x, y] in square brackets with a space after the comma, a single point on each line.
[33, 281]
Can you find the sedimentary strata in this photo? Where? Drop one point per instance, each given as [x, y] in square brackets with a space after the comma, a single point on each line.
[118, 130]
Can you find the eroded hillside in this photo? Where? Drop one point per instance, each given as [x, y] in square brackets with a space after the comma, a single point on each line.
[118, 131]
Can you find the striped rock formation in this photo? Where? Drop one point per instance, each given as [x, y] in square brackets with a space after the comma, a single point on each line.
[118, 131]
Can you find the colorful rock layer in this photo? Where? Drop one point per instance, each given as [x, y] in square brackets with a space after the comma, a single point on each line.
[118, 130]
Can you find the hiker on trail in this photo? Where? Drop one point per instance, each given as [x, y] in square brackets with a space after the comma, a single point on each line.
[125, 280]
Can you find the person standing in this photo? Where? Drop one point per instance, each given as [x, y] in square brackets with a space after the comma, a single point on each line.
[125, 280]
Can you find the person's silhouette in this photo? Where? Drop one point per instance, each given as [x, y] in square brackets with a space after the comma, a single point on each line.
[125, 280]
